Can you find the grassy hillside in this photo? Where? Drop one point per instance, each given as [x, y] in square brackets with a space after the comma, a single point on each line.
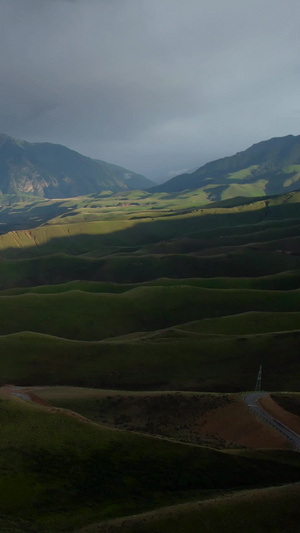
[289, 402]
[166, 361]
[128, 269]
[268, 167]
[225, 270]
[245, 323]
[273, 509]
[117, 222]
[91, 316]
[106, 473]
[283, 281]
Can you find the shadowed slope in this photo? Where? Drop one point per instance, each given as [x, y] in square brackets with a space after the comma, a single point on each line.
[273, 509]
[283, 281]
[167, 362]
[91, 316]
[59, 472]
[54, 171]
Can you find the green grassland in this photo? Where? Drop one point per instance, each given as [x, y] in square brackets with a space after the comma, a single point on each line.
[121, 229]
[57, 269]
[258, 188]
[274, 510]
[245, 323]
[288, 401]
[208, 274]
[144, 295]
[168, 361]
[249, 240]
[95, 316]
[288, 280]
[242, 174]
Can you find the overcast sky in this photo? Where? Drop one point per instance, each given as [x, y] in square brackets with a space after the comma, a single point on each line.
[157, 86]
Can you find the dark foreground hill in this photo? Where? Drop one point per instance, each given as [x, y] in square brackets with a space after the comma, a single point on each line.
[266, 168]
[54, 171]
[60, 472]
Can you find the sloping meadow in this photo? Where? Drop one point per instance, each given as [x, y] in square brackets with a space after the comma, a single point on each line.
[209, 285]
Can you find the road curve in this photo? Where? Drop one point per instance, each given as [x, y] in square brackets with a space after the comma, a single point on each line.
[251, 401]
[19, 392]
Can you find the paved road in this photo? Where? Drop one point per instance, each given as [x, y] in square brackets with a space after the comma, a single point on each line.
[18, 392]
[251, 401]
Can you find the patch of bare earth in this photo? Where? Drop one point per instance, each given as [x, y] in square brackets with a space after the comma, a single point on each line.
[68, 412]
[35, 398]
[285, 417]
[237, 425]
[220, 421]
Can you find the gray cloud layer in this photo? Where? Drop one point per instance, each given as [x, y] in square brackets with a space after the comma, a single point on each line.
[154, 85]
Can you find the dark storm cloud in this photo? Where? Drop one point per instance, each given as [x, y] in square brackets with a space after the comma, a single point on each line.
[158, 86]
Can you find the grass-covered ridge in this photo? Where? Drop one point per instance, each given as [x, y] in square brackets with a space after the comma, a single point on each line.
[288, 280]
[95, 316]
[169, 360]
[260, 170]
[272, 509]
[245, 323]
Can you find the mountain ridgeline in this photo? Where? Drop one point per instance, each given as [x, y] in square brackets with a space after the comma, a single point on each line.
[266, 168]
[54, 171]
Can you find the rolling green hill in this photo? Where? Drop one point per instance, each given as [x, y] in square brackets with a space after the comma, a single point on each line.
[272, 509]
[221, 280]
[166, 360]
[91, 316]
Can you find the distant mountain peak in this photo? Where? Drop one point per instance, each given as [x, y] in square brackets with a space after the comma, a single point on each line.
[266, 168]
[55, 171]
[6, 139]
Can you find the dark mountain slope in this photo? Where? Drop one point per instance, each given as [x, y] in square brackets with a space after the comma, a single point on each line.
[54, 171]
[269, 167]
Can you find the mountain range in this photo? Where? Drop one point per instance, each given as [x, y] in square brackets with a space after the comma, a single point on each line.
[266, 168]
[54, 171]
